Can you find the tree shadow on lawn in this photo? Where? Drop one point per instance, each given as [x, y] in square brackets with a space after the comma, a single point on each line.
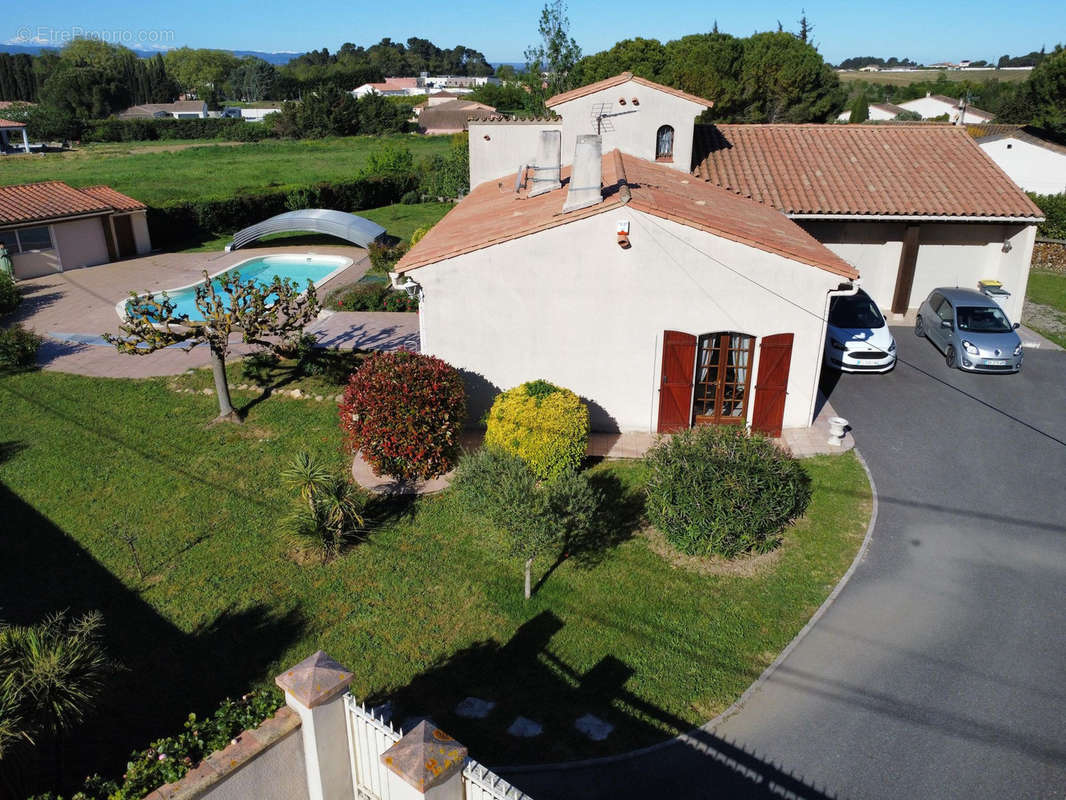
[525, 679]
[165, 673]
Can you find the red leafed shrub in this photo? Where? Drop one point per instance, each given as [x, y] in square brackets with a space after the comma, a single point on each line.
[405, 411]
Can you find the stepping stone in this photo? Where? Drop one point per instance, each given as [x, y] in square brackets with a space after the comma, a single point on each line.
[593, 727]
[525, 728]
[474, 708]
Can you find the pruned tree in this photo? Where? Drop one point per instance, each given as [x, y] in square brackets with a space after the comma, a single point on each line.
[806, 28]
[269, 315]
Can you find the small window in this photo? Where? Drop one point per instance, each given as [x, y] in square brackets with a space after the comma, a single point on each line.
[664, 143]
[35, 239]
[10, 241]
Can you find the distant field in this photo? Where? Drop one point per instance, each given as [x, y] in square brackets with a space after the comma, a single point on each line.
[157, 173]
[907, 78]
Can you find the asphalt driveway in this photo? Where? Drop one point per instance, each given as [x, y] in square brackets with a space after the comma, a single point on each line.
[940, 670]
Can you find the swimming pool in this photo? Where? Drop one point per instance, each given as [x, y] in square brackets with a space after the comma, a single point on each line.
[299, 267]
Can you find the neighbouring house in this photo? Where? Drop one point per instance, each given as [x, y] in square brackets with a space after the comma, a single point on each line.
[662, 300]
[1032, 161]
[250, 114]
[912, 207]
[878, 112]
[451, 117]
[391, 87]
[436, 99]
[8, 130]
[181, 109]
[51, 227]
[958, 111]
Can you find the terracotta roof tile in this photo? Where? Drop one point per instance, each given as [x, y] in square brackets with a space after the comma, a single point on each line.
[117, 200]
[618, 80]
[492, 213]
[897, 170]
[7, 123]
[39, 202]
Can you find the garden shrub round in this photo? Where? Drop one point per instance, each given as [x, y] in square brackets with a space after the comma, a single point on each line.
[541, 423]
[721, 491]
[404, 412]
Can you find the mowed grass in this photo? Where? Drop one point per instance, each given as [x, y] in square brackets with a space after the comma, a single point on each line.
[916, 76]
[426, 611]
[1049, 289]
[158, 173]
[400, 220]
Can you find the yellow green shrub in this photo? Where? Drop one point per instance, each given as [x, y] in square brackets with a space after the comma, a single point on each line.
[543, 424]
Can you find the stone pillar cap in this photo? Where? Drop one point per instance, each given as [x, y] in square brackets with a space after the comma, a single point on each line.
[425, 757]
[315, 680]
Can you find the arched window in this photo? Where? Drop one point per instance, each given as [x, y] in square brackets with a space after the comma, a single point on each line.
[664, 143]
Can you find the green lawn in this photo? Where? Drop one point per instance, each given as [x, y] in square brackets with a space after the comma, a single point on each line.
[160, 172]
[916, 76]
[427, 610]
[1049, 289]
[399, 219]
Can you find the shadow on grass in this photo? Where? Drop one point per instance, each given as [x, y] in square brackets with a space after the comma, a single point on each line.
[524, 678]
[273, 373]
[166, 672]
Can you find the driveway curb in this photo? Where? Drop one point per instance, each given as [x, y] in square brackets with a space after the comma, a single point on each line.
[709, 726]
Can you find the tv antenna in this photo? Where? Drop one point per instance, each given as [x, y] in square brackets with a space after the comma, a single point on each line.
[602, 117]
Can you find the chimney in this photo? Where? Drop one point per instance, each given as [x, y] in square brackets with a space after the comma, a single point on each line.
[546, 167]
[586, 174]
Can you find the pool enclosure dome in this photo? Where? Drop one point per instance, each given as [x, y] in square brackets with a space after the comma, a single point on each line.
[357, 230]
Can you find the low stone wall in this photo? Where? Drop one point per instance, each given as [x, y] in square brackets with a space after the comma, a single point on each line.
[266, 763]
[1050, 256]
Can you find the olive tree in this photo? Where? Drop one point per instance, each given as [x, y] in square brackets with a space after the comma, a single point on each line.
[268, 315]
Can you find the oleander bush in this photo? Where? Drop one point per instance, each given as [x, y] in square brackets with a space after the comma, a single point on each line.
[18, 347]
[168, 759]
[404, 412]
[722, 491]
[545, 425]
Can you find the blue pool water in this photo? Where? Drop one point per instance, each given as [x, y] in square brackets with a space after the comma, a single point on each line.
[299, 268]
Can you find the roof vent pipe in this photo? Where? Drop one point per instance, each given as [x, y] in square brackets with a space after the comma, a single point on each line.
[546, 167]
[586, 175]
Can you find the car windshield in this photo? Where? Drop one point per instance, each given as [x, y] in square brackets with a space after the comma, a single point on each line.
[858, 311]
[982, 319]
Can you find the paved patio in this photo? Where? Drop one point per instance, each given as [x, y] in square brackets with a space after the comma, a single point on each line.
[72, 309]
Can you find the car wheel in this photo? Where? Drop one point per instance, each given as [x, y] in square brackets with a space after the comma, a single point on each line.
[919, 327]
[949, 357]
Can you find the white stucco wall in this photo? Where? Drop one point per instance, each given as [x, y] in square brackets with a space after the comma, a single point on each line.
[570, 306]
[1033, 168]
[80, 242]
[277, 773]
[498, 149]
[139, 223]
[35, 264]
[949, 254]
[876, 114]
[635, 125]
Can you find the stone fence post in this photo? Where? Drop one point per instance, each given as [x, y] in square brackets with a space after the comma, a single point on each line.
[426, 764]
[314, 689]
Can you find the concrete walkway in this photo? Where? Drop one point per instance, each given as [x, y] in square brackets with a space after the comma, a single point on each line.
[72, 309]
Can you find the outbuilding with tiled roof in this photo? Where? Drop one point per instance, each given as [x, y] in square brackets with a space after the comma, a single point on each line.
[1032, 160]
[49, 227]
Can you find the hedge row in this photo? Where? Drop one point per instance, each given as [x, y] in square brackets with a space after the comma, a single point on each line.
[1054, 208]
[173, 225]
[150, 129]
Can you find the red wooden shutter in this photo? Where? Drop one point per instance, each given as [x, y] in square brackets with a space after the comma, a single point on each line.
[675, 392]
[771, 388]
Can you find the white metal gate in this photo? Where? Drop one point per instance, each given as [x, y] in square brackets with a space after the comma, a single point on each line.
[369, 736]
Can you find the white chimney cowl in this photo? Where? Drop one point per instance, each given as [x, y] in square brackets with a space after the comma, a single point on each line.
[586, 175]
[546, 167]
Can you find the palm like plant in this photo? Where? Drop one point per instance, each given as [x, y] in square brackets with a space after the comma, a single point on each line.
[332, 511]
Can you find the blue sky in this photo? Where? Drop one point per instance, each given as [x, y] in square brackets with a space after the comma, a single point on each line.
[924, 31]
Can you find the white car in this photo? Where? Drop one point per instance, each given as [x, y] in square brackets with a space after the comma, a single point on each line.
[857, 339]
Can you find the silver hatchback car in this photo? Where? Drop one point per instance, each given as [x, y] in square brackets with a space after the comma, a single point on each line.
[971, 331]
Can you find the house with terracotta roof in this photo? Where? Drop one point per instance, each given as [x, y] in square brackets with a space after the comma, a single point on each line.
[662, 300]
[452, 116]
[391, 87]
[51, 227]
[879, 112]
[685, 277]
[10, 128]
[1032, 161]
[181, 109]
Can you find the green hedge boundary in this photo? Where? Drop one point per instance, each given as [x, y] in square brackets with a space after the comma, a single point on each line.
[151, 129]
[176, 224]
[1054, 208]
